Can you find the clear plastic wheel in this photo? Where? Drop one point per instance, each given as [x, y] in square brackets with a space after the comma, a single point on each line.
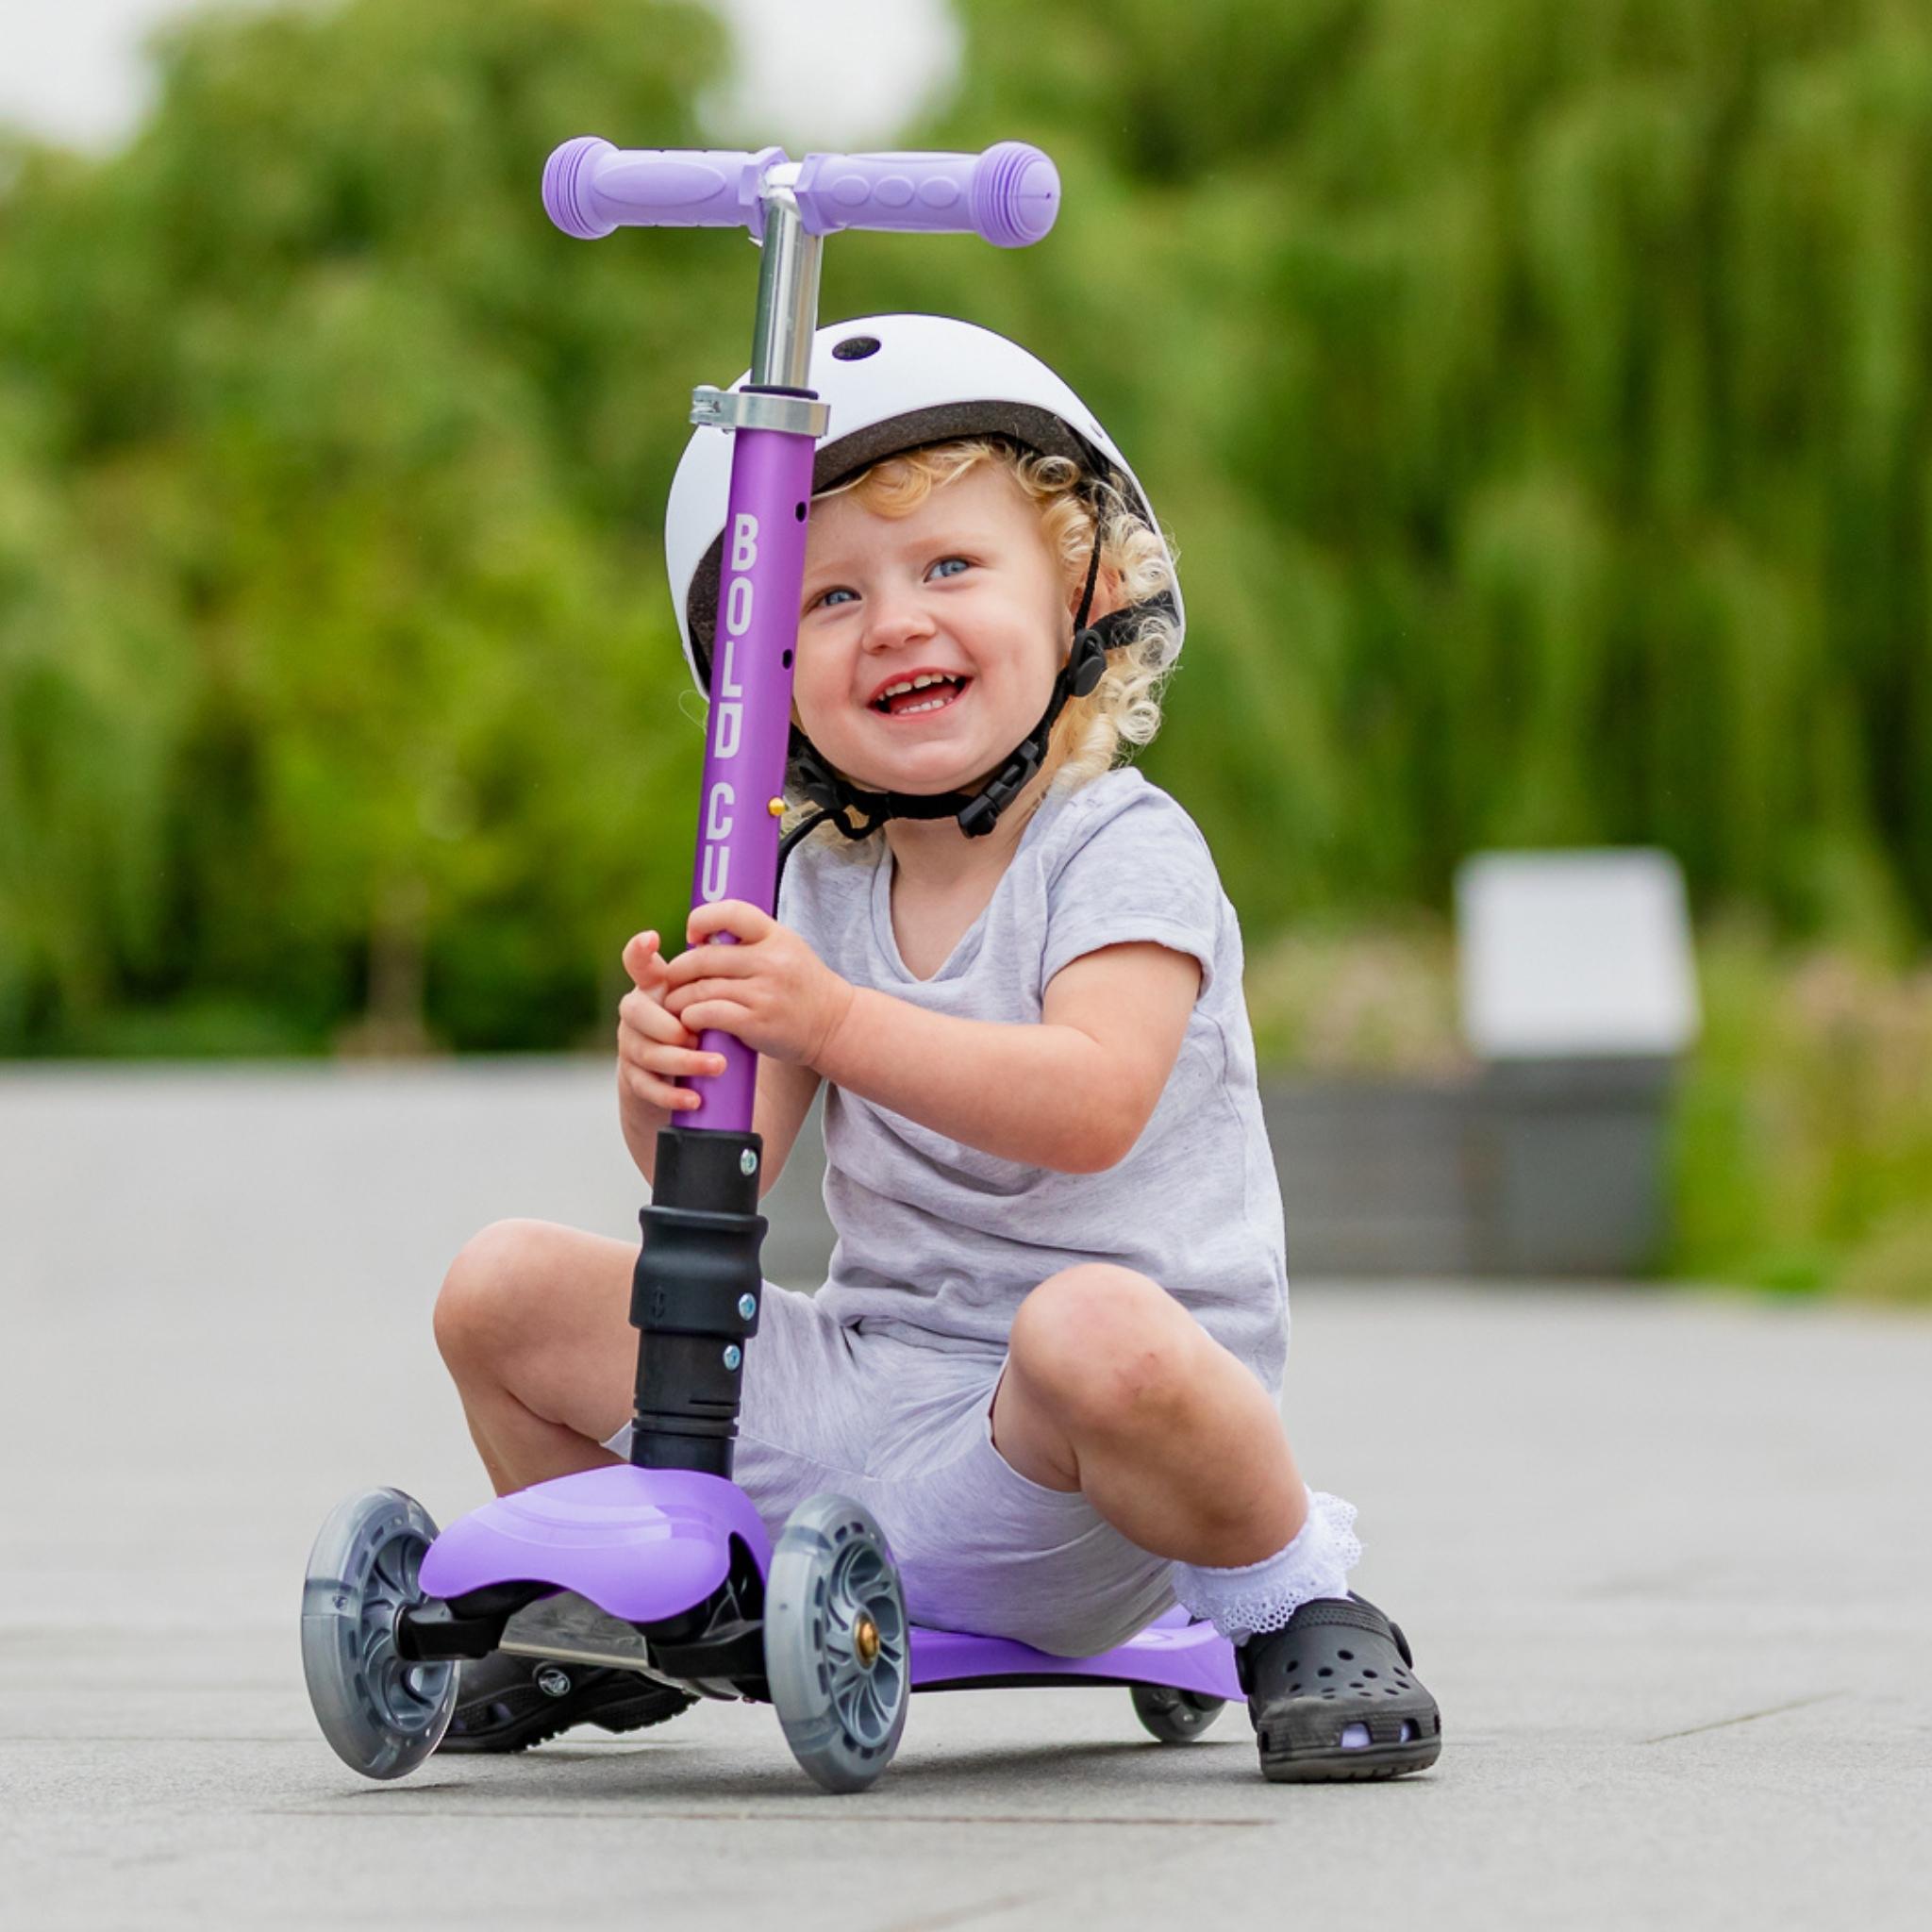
[381, 1714]
[1175, 1717]
[837, 1654]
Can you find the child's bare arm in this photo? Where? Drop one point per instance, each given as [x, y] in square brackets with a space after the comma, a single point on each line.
[1071, 1092]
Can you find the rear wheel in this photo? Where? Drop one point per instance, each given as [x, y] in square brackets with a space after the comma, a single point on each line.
[1175, 1717]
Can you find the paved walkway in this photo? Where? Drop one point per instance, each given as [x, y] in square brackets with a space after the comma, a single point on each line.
[1664, 1558]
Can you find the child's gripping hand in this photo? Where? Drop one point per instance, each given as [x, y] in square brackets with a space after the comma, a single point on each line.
[654, 1047]
[769, 988]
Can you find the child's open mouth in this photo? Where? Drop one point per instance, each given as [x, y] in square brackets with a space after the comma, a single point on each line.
[918, 697]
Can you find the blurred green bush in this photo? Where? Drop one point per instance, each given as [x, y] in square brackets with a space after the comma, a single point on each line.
[1536, 392]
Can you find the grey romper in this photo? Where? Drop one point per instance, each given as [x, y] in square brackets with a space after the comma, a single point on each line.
[880, 1386]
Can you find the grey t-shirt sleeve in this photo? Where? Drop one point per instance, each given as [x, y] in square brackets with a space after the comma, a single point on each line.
[1136, 869]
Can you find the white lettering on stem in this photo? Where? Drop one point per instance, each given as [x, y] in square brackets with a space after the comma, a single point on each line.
[729, 686]
[737, 602]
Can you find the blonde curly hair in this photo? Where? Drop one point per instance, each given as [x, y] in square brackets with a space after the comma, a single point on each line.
[1121, 712]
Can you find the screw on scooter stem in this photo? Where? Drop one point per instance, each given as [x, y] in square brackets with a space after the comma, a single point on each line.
[1008, 196]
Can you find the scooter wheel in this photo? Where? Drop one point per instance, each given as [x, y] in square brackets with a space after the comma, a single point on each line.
[1175, 1717]
[837, 1653]
[381, 1714]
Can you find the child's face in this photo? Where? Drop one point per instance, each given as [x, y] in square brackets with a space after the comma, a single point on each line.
[965, 588]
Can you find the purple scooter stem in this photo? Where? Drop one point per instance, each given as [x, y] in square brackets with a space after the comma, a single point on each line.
[764, 569]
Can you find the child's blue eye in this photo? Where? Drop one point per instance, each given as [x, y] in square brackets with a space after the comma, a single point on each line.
[825, 597]
[960, 560]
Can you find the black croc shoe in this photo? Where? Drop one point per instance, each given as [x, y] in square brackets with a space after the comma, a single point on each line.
[1334, 1696]
[507, 1703]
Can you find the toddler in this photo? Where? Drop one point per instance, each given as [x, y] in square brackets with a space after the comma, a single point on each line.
[1048, 1356]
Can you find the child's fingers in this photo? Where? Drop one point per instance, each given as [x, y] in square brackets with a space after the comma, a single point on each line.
[651, 1073]
[656, 1092]
[643, 960]
[645, 1013]
[669, 1062]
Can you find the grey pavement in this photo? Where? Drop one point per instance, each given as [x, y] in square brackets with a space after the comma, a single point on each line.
[1663, 1557]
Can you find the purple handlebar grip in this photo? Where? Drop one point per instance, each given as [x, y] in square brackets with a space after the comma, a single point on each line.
[590, 188]
[1008, 196]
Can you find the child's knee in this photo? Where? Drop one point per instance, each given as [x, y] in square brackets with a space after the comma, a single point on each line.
[482, 1295]
[1098, 1341]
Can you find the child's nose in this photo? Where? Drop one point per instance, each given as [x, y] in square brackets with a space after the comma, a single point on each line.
[895, 617]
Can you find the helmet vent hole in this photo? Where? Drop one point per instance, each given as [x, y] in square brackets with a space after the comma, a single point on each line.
[785, 661]
[856, 348]
[798, 511]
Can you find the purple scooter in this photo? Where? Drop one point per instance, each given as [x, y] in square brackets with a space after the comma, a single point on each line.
[661, 1565]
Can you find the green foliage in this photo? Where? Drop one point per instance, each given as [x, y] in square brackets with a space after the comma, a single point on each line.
[336, 672]
[1803, 1143]
[1536, 392]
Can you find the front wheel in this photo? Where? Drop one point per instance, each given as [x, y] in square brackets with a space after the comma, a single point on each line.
[381, 1714]
[837, 1652]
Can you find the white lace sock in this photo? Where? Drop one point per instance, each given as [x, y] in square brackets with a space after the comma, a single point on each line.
[1262, 1596]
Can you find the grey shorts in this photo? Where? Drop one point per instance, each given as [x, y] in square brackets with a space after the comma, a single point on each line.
[908, 1432]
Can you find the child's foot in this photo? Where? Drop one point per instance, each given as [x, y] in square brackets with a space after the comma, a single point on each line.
[1333, 1697]
[508, 1703]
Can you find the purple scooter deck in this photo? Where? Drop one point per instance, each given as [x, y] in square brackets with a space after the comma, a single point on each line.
[647, 1544]
[1171, 1651]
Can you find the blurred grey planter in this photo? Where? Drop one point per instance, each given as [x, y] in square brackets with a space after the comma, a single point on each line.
[1550, 1168]
[1545, 1169]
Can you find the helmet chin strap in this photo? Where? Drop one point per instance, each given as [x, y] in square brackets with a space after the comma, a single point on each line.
[976, 811]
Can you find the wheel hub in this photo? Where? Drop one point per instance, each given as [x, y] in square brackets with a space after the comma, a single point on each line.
[865, 1641]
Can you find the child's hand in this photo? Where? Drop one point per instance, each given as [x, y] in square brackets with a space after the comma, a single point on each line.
[653, 1046]
[769, 988]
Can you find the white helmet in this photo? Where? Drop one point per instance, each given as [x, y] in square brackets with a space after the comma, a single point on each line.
[892, 383]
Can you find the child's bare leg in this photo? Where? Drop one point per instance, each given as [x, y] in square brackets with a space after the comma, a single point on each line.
[1113, 1389]
[534, 1324]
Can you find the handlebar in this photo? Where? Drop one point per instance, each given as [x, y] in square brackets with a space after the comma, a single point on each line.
[1008, 196]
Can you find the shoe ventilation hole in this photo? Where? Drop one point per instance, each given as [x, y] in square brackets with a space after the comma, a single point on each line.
[1355, 1737]
[1354, 1683]
[1347, 1657]
[1410, 1733]
[1324, 1672]
[1368, 1673]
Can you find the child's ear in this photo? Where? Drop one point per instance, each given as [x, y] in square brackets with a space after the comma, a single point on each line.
[1106, 595]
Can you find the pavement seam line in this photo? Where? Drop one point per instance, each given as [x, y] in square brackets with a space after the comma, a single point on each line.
[1749, 1717]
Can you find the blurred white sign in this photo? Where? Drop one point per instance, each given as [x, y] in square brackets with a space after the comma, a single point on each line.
[1574, 953]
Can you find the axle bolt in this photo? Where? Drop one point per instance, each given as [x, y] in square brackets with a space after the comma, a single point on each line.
[865, 1641]
[747, 1306]
[748, 1162]
[733, 1355]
